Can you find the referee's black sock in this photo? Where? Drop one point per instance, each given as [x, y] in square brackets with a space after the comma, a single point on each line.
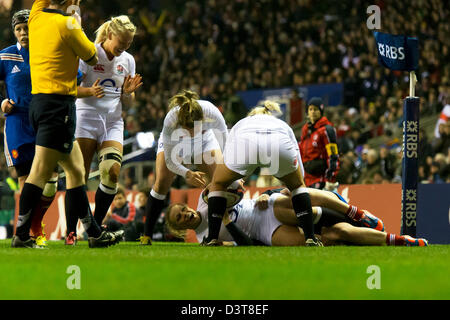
[29, 199]
[103, 201]
[216, 209]
[71, 218]
[301, 203]
[153, 208]
[78, 205]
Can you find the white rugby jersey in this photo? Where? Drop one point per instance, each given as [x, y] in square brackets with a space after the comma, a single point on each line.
[241, 214]
[111, 74]
[263, 124]
[212, 120]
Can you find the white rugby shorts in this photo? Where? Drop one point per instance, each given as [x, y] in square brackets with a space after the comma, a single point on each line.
[265, 222]
[244, 153]
[99, 127]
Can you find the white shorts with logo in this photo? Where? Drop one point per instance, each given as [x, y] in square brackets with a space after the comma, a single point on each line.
[244, 153]
[265, 222]
[192, 149]
[99, 127]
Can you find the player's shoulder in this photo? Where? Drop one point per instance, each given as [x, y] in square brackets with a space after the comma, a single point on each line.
[278, 121]
[127, 56]
[205, 104]
[10, 50]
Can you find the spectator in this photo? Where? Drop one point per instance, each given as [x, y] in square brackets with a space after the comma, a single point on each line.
[435, 176]
[372, 165]
[122, 215]
[136, 228]
[318, 147]
[442, 143]
[387, 163]
[425, 147]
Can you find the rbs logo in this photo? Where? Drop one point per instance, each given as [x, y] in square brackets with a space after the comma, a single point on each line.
[391, 52]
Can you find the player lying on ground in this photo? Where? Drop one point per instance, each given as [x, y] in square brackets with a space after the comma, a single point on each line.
[270, 220]
[247, 148]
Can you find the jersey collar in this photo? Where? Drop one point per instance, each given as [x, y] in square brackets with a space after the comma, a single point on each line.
[55, 11]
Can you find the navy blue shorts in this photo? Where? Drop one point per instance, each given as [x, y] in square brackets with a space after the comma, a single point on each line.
[19, 139]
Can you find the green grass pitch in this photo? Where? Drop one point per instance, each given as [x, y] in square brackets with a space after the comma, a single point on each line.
[180, 271]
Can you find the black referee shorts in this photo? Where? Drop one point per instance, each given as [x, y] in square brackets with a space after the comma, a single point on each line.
[53, 118]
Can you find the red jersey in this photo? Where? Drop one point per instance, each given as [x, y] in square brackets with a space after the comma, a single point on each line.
[318, 147]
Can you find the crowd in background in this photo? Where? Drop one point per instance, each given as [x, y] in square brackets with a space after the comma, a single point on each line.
[220, 47]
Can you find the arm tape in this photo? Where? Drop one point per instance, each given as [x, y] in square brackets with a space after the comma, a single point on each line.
[332, 149]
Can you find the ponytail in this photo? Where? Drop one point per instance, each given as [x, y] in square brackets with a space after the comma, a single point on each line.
[269, 107]
[190, 110]
[117, 26]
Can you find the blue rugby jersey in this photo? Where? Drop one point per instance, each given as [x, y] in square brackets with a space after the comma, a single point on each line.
[15, 71]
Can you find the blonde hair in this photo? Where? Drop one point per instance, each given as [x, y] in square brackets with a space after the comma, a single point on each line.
[172, 227]
[190, 109]
[117, 26]
[269, 107]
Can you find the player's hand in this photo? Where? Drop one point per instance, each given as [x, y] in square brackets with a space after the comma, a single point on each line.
[241, 185]
[7, 106]
[196, 179]
[262, 202]
[330, 186]
[131, 84]
[96, 90]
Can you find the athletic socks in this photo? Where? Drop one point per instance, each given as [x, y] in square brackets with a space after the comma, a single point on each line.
[38, 214]
[217, 204]
[48, 195]
[77, 205]
[354, 213]
[394, 240]
[301, 203]
[29, 199]
[103, 201]
[153, 208]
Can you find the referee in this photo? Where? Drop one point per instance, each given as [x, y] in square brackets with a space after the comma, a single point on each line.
[57, 42]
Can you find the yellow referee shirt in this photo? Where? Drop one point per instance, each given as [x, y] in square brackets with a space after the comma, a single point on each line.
[56, 44]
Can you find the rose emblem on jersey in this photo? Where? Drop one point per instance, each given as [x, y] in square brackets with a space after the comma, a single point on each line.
[120, 69]
[15, 154]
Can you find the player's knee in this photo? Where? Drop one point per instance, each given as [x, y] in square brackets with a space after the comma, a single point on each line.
[114, 173]
[329, 234]
[161, 188]
[110, 160]
[341, 232]
[50, 187]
